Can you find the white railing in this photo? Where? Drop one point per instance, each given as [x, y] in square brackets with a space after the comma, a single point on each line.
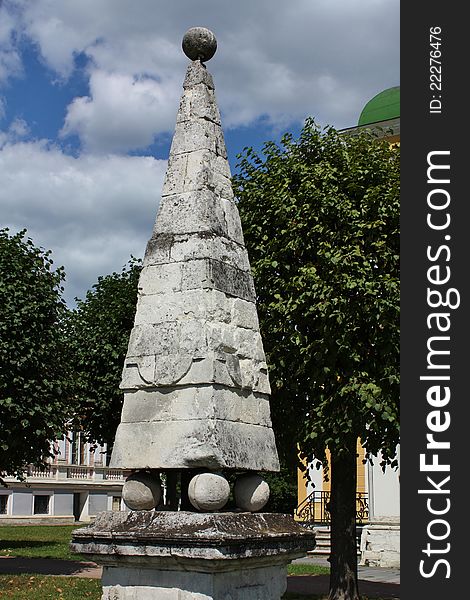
[64, 472]
[49, 473]
[113, 475]
[80, 473]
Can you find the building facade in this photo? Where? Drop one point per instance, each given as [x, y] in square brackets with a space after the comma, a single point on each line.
[76, 485]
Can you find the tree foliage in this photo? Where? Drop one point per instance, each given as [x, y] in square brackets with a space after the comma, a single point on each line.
[321, 223]
[98, 333]
[33, 374]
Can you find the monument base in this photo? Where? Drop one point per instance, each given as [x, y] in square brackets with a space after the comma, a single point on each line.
[193, 556]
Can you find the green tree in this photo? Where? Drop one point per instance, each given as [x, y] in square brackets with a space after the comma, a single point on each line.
[321, 224]
[98, 333]
[33, 375]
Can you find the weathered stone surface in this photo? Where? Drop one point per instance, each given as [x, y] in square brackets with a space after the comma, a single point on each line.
[200, 211]
[195, 171]
[197, 274]
[198, 134]
[198, 102]
[141, 372]
[169, 248]
[221, 536]
[195, 376]
[262, 583]
[198, 402]
[212, 443]
[380, 545]
[187, 555]
[196, 74]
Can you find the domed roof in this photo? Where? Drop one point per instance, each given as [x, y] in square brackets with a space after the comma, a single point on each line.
[382, 107]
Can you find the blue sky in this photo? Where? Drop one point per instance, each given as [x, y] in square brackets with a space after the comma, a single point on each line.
[89, 91]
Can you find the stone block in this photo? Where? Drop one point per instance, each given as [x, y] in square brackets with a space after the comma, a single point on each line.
[220, 149]
[193, 247]
[169, 248]
[195, 74]
[175, 175]
[222, 166]
[159, 279]
[192, 212]
[210, 443]
[197, 134]
[168, 338]
[232, 218]
[158, 249]
[198, 103]
[208, 304]
[197, 274]
[248, 343]
[196, 171]
[206, 402]
[244, 314]
[268, 583]
[232, 281]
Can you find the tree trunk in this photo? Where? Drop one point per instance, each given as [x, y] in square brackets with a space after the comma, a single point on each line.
[343, 575]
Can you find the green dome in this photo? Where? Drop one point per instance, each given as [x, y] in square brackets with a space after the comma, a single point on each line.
[382, 107]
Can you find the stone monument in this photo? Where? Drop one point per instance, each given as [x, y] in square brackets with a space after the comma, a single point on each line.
[196, 393]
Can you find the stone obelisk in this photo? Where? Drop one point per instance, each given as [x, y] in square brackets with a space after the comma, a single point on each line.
[196, 392]
[195, 381]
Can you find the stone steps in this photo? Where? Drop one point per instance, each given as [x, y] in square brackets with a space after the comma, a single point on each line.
[323, 542]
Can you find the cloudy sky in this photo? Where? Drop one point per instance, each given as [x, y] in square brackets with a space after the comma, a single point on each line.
[89, 91]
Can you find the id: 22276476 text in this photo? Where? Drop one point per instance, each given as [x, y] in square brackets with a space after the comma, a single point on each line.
[435, 70]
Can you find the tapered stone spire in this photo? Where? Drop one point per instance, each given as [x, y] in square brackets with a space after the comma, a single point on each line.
[195, 380]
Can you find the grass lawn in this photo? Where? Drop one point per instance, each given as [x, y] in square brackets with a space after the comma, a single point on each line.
[301, 569]
[46, 541]
[37, 541]
[40, 587]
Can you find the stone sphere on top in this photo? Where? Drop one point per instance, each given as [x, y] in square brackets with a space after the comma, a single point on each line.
[199, 43]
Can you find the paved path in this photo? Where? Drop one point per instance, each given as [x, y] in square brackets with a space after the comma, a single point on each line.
[375, 582]
[49, 566]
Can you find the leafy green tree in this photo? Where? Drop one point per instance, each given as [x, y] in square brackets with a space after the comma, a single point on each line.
[321, 224]
[98, 333]
[33, 375]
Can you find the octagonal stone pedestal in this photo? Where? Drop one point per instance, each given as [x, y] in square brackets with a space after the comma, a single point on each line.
[193, 556]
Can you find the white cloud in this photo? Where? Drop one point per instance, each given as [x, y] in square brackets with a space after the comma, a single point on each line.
[10, 61]
[325, 58]
[281, 61]
[93, 212]
[121, 113]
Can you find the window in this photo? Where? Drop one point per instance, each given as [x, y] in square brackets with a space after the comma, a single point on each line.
[74, 449]
[41, 504]
[116, 503]
[3, 504]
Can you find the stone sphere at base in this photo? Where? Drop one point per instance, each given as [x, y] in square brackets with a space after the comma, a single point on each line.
[251, 492]
[142, 491]
[208, 491]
